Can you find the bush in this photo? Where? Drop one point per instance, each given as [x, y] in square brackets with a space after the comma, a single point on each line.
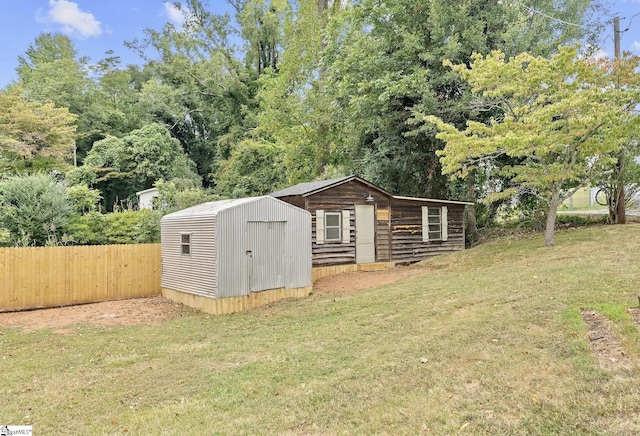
[34, 209]
[128, 227]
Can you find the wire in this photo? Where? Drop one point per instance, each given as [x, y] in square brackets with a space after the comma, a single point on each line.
[630, 21]
[534, 11]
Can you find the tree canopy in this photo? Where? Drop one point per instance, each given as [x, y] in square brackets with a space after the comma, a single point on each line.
[562, 119]
[277, 92]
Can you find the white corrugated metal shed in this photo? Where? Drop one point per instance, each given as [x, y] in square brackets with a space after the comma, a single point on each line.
[229, 248]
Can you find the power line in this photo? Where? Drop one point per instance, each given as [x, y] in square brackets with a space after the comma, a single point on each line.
[630, 21]
[535, 11]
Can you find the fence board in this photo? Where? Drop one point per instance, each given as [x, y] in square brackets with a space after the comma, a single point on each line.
[37, 277]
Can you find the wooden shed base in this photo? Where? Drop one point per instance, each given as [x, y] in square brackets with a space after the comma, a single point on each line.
[324, 271]
[223, 306]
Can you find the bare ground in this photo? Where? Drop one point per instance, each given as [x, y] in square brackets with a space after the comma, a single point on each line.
[604, 342]
[135, 311]
[153, 310]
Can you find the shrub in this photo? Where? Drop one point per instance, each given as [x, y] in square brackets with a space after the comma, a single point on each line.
[34, 209]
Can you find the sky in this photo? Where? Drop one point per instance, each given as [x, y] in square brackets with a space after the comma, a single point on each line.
[96, 26]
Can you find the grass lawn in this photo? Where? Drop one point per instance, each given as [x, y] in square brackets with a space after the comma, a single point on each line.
[486, 341]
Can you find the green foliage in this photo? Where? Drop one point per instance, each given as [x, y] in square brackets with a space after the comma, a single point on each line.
[127, 227]
[148, 226]
[179, 194]
[570, 220]
[254, 168]
[384, 64]
[561, 120]
[34, 208]
[32, 130]
[122, 166]
[83, 198]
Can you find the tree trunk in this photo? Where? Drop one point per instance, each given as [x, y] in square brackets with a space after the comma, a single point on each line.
[472, 224]
[621, 213]
[549, 232]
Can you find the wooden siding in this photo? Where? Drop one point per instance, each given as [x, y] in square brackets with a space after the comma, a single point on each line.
[228, 305]
[42, 277]
[406, 229]
[398, 223]
[337, 199]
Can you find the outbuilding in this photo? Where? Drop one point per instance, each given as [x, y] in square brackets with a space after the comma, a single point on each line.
[230, 255]
[355, 222]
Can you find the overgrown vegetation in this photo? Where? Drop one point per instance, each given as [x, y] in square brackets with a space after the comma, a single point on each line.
[485, 341]
[307, 89]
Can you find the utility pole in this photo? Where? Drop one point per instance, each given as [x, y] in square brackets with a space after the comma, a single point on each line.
[620, 203]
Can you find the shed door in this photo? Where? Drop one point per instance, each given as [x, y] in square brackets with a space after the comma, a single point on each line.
[265, 255]
[365, 234]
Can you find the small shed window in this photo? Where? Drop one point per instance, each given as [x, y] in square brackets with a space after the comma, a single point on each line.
[332, 226]
[434, 223]
[185, 243]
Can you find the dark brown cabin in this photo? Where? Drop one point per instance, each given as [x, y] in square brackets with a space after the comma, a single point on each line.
[355, 221]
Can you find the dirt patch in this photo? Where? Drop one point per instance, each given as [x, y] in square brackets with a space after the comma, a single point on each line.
[604, 342]
[153, 310]
[360, 280]
[148, 311]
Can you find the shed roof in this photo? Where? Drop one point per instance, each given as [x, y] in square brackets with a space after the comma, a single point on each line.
[211, 208]
[144, 191]
[309, 188]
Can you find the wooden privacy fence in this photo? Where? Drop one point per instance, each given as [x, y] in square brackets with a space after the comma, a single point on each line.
[38, 277]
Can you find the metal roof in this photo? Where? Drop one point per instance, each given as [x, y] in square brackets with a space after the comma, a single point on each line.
[211, 208]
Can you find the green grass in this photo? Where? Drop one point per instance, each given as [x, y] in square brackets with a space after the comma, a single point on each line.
[485, 341]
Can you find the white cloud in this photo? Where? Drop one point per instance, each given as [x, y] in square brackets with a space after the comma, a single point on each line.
[175, 15]
[636, 45]
[601, 54]
[596, 52]
[72, 19]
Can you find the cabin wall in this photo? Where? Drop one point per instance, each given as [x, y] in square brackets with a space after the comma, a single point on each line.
[345, 197]
[406, 229]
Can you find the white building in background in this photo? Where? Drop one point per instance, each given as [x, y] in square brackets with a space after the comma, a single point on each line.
[145, 198]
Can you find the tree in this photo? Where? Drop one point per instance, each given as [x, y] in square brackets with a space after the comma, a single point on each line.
[50, 71]
[122, 166]
[384, 63]
[201, 91]
[33, 130]
[254, 168]
[34, 209]
[560, 118]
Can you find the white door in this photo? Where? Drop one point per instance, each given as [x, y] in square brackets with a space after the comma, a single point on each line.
[365, 234]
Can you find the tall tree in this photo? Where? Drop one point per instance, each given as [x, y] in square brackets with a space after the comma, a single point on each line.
[33, 133]
[203, 90]
[296, 113]
[385, 63]
[51, 70]
[561, 118]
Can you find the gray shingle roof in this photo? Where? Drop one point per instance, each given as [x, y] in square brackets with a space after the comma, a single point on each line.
[305, 188]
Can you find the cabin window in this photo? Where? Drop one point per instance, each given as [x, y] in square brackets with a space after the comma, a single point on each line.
[434, 223]
[332, 226]
[185, 243]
